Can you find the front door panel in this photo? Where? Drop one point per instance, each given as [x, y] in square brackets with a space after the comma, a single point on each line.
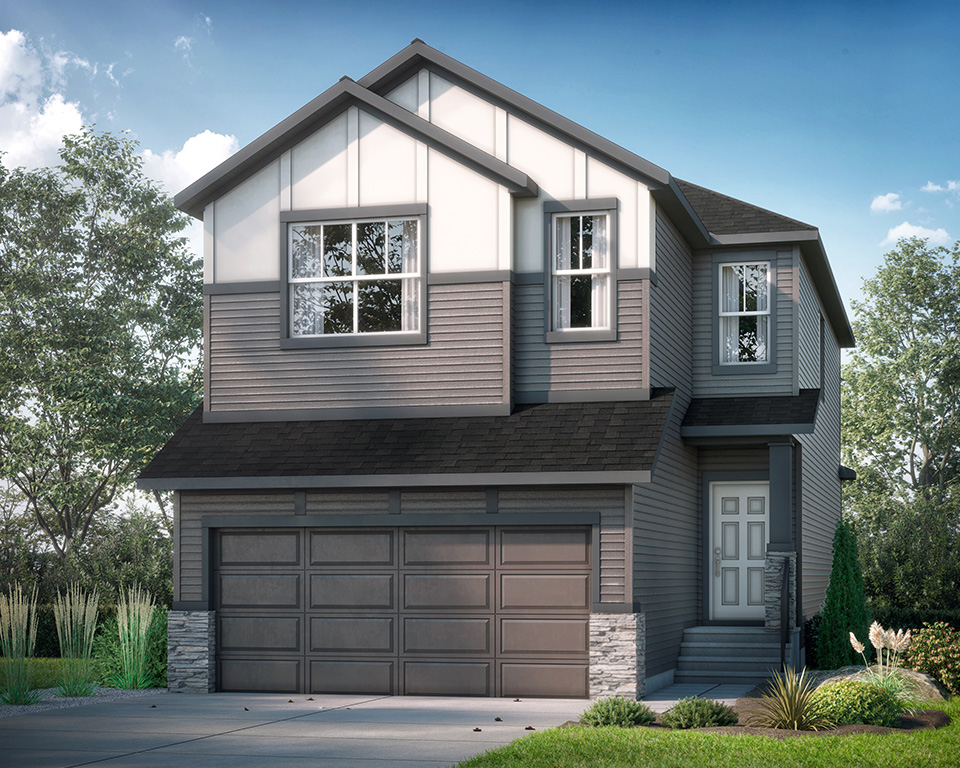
[740, 523]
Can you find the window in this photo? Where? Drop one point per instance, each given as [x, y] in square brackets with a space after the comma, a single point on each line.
[745, 313]
[348, 278]
[580, 271]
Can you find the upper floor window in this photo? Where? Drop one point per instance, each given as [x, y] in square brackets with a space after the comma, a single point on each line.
[354, 277]
[745, 313]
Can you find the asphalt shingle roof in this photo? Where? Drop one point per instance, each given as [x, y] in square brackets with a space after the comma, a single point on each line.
[742, 411]
[551, 437]
[724, 215]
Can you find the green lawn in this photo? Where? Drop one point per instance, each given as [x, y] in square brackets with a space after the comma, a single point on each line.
[640, 748]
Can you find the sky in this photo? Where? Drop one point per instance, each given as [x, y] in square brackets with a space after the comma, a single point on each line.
[844, 115]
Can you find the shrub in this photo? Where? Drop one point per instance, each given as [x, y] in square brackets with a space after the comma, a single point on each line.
[789, 704]
[811, 631]
[618, 711]
[845, 605]
[18, 631]
[698, 713]
[108, 663]
[911, 618]
[936, 650]
[851, 701]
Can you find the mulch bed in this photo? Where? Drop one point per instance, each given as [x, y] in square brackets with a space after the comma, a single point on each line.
[916, 720]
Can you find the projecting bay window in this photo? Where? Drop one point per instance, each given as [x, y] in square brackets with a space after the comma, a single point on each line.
[582, 283]
[354, 281]
[745, 327]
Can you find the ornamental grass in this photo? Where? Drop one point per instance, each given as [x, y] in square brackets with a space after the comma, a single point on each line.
[790, 704]
[18, 633]
[76, 617]
[134, 615]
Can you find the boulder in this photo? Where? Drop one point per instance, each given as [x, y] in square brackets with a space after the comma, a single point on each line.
[924, 687]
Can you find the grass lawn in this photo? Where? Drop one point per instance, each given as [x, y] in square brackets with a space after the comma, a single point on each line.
[641, 748]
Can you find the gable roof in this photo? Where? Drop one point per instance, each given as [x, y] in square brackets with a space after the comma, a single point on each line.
[705, 218]
[562, 443]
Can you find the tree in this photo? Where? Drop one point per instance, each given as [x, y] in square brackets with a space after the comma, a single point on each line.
[845, 605]
[100, 327]
[901, 427]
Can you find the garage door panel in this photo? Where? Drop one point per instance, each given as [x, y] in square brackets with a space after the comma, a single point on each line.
[353, 634]
[558, 680]
[261, 634]
[448, 548]
[369, 548]
[444, 678]
[543, 592]
[280, 591]
[260, 675]
[447, 591]
[448, 635]
[566, 548]
[543, 637]
[341, 676]
[353, 591]
[256, 547]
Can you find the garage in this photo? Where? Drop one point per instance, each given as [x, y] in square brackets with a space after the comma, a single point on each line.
[464, 611]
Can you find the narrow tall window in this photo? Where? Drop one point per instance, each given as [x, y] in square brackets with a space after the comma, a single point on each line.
[581, 271]
[354, 277]
[744, 313]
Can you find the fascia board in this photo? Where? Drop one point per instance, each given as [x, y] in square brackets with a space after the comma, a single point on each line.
[626, 477]
[308, 118]
[747, 430]
[675, 204]
[418, 54]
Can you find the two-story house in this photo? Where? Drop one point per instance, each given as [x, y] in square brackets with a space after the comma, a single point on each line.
[494, 406]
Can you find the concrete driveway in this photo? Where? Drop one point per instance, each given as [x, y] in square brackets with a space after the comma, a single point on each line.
[232, 730]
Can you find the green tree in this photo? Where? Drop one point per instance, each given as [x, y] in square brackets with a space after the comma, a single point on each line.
[901, 427]
[100, 328]
[845, 606]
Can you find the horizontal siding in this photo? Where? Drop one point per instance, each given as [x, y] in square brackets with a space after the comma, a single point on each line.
[609, 502]
[705, 384]
[343, 503]
[441, 502]
[740, 459]
[820, 496]
[538, 366]
[193, 506]
[667, 547]
[462, 363]
[808, 332]
[670, 310]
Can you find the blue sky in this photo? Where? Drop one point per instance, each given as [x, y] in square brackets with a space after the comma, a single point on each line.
[845, 115]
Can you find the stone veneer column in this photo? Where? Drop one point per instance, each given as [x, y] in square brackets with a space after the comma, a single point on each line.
[191, 651]
[618, 647]
[773, 573]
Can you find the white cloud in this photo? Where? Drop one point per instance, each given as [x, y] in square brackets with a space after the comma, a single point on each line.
[21, 70]
[177, 169]
[886, 203]
[935, 236]
[183, 43]
[950, 186]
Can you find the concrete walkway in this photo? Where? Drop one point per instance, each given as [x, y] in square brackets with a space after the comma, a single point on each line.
[227, 730]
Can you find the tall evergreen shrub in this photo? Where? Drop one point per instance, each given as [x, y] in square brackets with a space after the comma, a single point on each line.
[845, 607]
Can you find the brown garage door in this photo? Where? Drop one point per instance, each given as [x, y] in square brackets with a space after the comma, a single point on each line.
[492, 611]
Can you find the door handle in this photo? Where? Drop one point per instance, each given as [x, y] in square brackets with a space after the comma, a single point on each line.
[716, 560]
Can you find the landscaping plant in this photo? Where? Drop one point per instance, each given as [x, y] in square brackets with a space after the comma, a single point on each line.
[134, 616]
[76, 617]
[889, 646]
[618, 711]
[790, 704]
[936, 651]
[108, 655]
[850, 701]
[694, 712]
[845, 605]
[18, 631]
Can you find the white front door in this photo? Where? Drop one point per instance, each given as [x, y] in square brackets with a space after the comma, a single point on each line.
[740, 523]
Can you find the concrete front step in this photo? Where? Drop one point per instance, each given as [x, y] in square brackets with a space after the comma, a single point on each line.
[719, 678]
[744, 650]
[747, 666]
[728, 655]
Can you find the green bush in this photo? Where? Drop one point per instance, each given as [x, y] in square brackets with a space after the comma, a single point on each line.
[936, 650]
[45, 673]
[618, 711]
[850, 701]
[911, 618]
[108, 662]
[698, 713]
[845, 604]
[811, 635]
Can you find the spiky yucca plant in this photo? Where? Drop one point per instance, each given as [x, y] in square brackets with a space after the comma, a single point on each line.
[134, 614]
[790, 705]
[76, 617]
[18, 632]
